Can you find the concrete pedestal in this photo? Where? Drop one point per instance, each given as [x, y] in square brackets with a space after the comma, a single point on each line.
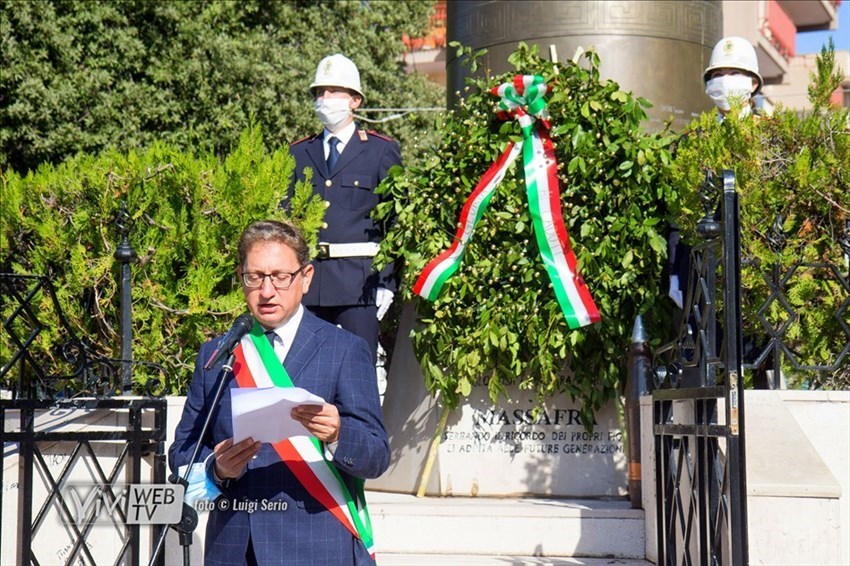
[496, 449]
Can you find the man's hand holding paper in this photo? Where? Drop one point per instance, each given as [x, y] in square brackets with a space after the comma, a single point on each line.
[321, 420]
[266, 414]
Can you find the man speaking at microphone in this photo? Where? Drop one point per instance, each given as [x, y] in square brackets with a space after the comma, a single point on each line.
[312, 511]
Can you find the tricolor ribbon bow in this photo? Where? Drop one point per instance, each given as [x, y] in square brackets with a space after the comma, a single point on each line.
[523, 99]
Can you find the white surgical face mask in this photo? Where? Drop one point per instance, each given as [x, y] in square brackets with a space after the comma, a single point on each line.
[726, 87]
[333, 112]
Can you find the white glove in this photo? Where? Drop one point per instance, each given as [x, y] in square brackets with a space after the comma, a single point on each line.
[675, 292]
[383, 300]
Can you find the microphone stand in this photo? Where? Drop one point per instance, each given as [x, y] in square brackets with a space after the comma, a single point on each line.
[189, 521]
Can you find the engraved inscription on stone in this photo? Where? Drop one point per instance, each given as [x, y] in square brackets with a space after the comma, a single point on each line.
[517, 431]
[508, 447]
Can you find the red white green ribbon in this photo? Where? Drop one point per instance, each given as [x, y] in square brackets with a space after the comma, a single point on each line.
[257, 366]
[523, 99]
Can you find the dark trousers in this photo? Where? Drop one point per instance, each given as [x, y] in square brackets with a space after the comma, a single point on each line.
[361, 320]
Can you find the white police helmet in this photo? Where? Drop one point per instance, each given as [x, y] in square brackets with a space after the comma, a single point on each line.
[734, 53]
[339, 71]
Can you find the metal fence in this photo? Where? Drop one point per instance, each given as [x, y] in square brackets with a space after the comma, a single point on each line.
[76, 478]
[776, 353]
[698, 406]
[78, 435]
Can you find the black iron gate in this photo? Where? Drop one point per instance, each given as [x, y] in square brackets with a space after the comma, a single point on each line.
[79, 439]
[111, 459]
[698, 401]
[698, 405]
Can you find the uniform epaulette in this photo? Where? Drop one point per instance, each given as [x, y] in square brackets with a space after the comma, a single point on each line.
[304, 139]
[381, 136]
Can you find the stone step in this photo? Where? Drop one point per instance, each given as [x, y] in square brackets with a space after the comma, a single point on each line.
[504, 528]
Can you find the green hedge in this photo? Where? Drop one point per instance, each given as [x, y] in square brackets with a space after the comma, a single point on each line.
[91, 75]
[793, 176]
[187, 213]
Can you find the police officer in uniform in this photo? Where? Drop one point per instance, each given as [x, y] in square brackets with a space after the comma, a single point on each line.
[348, 163]
[732, 72]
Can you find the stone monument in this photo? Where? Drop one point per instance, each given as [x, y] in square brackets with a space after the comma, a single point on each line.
[496, 449]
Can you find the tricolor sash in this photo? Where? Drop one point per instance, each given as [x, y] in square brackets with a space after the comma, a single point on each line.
[257, 366]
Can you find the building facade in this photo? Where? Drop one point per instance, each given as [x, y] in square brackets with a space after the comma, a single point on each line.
[772, 27]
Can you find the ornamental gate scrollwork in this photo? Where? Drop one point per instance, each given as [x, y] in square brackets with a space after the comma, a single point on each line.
[698, 402]
[74, 435]
[698, 407]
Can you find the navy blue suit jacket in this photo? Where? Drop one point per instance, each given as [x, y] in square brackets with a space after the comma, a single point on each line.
[337, 366]
[349, 194]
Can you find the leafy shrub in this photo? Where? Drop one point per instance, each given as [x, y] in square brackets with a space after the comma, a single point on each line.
[89, 75]
[187, 213]
[793, 176]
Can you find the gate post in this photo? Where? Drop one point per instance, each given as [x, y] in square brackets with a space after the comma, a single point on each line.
[640, 366]
[733, 367]
[125, 254]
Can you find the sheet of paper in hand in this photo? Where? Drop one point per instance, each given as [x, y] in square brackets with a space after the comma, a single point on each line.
[263, 413]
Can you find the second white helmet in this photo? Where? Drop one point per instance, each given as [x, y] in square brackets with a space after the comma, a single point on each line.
[339, 71]
[734, 53]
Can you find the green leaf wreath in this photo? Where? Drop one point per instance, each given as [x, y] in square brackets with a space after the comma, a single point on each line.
[497, 321]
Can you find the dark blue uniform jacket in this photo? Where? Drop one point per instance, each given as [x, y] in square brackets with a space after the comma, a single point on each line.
[349, 194]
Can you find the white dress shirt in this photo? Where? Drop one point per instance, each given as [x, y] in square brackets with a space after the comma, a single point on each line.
[285, 334]
[344, 136]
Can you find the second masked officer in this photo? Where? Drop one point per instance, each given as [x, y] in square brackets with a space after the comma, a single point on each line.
[348, 163]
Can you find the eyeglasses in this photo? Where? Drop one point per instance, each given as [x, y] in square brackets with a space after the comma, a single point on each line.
[280, 280]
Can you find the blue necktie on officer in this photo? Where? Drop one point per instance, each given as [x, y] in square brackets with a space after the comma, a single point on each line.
[333, 153]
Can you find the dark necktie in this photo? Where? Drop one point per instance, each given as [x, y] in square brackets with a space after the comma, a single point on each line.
[273, 340]
[333, 153]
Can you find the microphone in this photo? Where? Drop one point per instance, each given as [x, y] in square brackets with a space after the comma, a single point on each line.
[228, 342]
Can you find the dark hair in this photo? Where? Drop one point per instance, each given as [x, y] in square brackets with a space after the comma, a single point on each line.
[273, 231]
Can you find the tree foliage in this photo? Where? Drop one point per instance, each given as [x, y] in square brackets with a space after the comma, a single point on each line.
[92, 75]
[793, 176]
[187, 213]
[497, 321]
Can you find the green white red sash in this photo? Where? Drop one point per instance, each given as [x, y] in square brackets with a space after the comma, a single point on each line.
[257, 366]
[523, 99]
